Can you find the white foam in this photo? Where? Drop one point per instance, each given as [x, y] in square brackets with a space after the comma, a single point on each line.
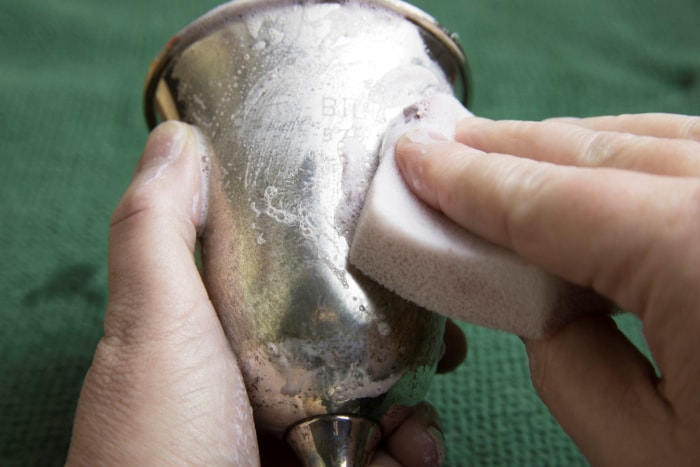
[423, 256]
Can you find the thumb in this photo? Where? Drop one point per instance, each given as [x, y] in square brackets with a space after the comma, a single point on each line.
[164, 387]
[602, 391]
[153, 236]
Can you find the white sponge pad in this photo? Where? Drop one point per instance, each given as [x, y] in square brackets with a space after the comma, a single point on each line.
[426, 258]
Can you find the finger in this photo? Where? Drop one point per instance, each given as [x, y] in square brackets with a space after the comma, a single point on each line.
[152, 239]
[602, 391]
[455, 348]
[567, 144]
[572, 222]
[661, 125]
[418, 441]
[383, 459]
[163, 387]
[615, 231]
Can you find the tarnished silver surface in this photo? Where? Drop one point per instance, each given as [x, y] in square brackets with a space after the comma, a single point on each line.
[294, 98]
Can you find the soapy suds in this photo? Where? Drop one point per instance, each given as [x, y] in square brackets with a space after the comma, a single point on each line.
[384, 328]
[358, 161]
[280, 214]
[279, 93]
[202, 203]
[356, 157]
[338, 272]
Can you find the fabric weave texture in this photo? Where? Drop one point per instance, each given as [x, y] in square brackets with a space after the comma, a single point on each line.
[71, 131]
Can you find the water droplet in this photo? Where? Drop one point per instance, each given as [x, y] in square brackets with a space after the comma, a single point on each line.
[383, 328]
[273, 349]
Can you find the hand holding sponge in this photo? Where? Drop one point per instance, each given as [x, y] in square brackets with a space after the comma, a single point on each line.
[426, 258]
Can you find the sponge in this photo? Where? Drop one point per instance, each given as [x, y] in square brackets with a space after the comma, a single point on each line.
[423, 256]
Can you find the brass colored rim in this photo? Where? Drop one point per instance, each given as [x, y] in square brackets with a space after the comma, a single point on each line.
[219, 16]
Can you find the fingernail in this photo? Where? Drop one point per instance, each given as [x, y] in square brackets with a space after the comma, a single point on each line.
[429, 416]
[472, 123]
[438, 456]
[423, 136]
[435, 454]
[410, 149]
[165, 144]
[407, 157]
[200, 205]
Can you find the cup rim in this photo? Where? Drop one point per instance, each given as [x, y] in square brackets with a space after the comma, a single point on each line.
[219, 16]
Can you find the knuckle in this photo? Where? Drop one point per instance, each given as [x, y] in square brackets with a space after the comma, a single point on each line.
[525, 187]
[444, 185]
[604, 148]
[690, 129]
[111, 365]
[137, 201]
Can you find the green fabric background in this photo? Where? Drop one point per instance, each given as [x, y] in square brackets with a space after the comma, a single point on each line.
[71, 130]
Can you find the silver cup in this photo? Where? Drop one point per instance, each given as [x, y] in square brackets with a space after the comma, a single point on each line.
[294, 97]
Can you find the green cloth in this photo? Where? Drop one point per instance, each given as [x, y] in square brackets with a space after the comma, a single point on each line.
[71, 131]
